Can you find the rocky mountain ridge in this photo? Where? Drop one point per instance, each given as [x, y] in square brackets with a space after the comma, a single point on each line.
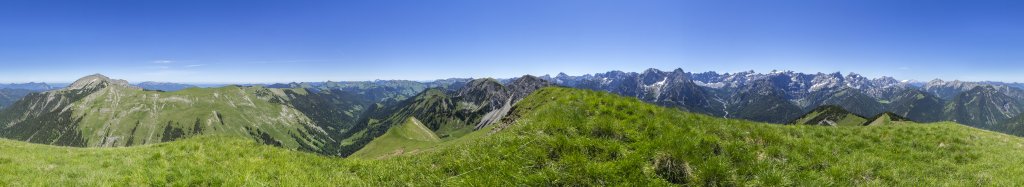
[336, 118]
[777, 96]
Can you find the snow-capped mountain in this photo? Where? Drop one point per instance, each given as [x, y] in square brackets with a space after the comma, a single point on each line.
[668, 88]
[800, 85]
[950, 89]
[774, 95]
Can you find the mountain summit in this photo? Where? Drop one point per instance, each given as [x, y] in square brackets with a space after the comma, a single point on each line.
[830, 115]
[97, 81]
[97, 111]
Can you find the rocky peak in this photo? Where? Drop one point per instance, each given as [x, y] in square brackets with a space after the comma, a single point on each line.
[836, 74]
[853, 75]
[615, 73]
[885, 80]
[484, 82]
[652, 76]
[652, 70]
[708, 77]
[678, 70]
[987, 89]
[710, 74]
[528, 80]
[562, 75]
[90, 81]
[483, 90]
[760, 87]
[523, 86]
[97, 81]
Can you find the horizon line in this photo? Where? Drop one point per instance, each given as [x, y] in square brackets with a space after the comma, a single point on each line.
[547, 74]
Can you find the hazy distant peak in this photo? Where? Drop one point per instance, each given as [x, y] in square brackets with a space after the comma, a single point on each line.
[97, 80]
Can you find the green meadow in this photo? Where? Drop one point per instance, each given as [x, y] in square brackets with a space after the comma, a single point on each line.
[558, 136]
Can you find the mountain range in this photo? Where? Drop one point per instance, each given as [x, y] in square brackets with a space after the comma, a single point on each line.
[589, 129]
[782, 96]
[558, 136]
[33, 86]
[340, 118]
[332, 119]
[8, 96]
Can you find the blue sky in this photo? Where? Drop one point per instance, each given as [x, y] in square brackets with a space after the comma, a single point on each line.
[281, 41]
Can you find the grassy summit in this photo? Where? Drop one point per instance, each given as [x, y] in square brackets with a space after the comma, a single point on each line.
[565, 137]
[411, 136]
[830, 115]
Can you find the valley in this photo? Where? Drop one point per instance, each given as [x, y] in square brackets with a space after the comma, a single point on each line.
[576, 130]
[561, 136]
[511, 93]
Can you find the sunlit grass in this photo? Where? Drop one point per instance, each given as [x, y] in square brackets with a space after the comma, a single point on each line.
[565, 137]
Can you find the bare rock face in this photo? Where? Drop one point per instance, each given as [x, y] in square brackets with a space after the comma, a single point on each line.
[517, 90]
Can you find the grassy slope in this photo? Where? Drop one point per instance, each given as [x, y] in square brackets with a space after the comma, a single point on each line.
[848, 120]
[567, 137]
[806, 118]
[411, 136]
[852, 120]
[821, 114]
[881, 120]
[115, 111]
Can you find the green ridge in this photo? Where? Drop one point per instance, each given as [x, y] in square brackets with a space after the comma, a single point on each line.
[830, 115]
[565, 137]
[886, 118]
[409, 137]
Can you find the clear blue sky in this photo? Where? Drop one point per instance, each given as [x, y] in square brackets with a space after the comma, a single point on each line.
[283, 41]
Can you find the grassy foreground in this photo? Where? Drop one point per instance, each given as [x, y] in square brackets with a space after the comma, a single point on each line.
[565, 137]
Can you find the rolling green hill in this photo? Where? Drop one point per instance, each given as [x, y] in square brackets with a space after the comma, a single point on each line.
[850, 99]
[409, 137]
[560, 136]
[918, 105]
[886, 118]
[830, 115]
[450, 114]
